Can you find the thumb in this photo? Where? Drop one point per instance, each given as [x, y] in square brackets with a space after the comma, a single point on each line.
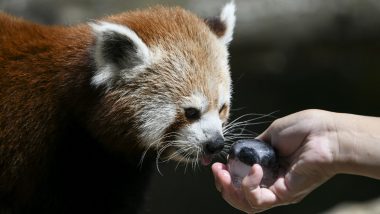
[265, 136]
[253, 179]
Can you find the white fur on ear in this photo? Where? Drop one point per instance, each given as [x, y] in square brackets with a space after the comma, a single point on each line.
[227, 16]
[117, 49]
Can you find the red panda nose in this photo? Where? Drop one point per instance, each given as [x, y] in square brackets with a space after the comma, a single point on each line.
[214, 146]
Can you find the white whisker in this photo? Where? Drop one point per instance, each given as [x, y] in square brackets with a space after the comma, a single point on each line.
[236, 129]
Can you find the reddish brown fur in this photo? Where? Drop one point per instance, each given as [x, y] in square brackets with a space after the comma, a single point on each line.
[44, 83]
[39, 66]
[45, 74]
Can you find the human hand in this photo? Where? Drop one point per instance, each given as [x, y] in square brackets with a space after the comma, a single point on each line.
[307, 145]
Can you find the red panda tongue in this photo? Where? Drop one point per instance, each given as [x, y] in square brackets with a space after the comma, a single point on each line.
[206, 160]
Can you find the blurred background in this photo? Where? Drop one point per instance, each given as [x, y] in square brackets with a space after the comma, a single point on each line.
[286, 56]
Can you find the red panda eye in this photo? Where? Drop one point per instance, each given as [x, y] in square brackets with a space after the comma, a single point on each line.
[192, 113]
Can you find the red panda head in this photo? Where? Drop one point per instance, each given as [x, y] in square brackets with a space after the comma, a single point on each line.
[166, 80]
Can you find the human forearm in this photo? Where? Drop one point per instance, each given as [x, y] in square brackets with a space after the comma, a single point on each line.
[358, 150]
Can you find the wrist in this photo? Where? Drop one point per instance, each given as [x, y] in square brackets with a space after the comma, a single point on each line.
[343, 149]
[324, 136]
[357, 145]
[330, 135]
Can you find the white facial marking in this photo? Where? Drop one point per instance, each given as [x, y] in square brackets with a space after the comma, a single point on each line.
[106, 71]
[155, 120]
[224, 96]
[228, 17]
[203, 130]
[196, 100]
[207, 127]
[211, 124]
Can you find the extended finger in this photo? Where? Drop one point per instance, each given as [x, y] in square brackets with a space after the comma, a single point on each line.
[258, 197]
[220, 174]
[228, 191]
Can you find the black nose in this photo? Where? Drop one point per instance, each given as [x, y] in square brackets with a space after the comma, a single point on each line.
[214, 146]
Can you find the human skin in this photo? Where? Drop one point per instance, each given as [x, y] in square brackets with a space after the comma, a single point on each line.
[313, 146]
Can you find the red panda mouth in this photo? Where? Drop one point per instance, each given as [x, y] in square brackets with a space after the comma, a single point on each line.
[206, 159]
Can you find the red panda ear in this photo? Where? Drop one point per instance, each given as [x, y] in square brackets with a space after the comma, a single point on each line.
[223, 25]
[117, 49]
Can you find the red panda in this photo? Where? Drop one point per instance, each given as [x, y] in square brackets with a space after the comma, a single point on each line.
[81, 105]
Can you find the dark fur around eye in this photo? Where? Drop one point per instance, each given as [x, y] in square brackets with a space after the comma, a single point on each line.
[192, 113]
